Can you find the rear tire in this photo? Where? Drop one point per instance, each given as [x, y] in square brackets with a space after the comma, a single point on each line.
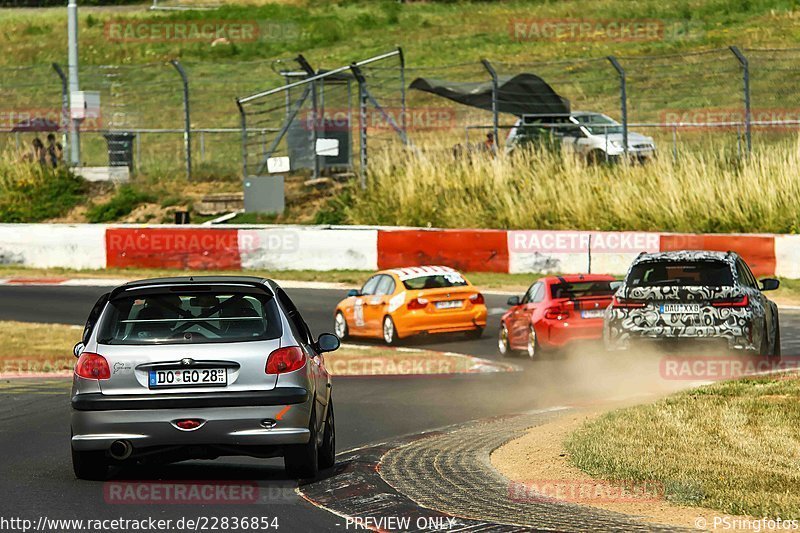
[389, 331]
[776, 349]
[532, 348]
[502, 341]
[302, 460]
[91, 465]
[340, 326]
[327, 453]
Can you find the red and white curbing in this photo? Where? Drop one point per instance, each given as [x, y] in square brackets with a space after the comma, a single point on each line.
[324, 248]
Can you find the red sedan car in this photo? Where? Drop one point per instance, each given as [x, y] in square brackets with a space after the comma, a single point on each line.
[555, 311]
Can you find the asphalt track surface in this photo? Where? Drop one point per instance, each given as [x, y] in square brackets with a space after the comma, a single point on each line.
[35, 470]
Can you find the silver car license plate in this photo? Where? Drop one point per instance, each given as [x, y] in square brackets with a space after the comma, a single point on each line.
[450, 304]
[198, 377]
[680, 309]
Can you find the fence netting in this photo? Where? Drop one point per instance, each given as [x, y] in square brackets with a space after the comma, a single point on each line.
[338, 122]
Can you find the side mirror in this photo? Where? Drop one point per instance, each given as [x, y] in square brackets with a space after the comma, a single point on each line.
[328, 342]
[769, 284]
[513, 301]
[353, 292]
[77, 350]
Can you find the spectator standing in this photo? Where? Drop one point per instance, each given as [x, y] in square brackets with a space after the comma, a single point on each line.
[37, 154]
[55, 152]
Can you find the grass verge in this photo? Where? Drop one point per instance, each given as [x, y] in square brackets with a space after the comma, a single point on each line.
[30, 192]
[29, 347]
[729, 446]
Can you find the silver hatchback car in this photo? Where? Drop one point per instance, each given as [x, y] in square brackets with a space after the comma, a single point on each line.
[196, 368]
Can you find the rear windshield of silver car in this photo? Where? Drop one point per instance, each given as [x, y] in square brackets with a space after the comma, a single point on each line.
[190, 318]
[707, 273]
[438, 281]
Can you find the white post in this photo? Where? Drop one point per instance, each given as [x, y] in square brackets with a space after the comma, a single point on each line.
[74, 86]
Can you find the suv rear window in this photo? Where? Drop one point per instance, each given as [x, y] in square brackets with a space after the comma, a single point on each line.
[190, 318]
[583, 289]
[438, 281]
[686, 273]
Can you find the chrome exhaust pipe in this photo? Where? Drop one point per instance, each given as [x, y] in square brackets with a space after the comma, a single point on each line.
[120, 450]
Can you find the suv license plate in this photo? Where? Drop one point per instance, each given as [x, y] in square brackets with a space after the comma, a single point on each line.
[680, 309]
[197, 377]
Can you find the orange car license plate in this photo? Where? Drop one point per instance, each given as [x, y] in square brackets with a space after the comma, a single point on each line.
[451, 304]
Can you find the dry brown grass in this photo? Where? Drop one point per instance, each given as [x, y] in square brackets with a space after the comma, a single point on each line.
[698, 192]
[731, 446]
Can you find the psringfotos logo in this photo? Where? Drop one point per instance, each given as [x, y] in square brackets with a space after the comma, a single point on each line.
[182, 30]
[585, 491]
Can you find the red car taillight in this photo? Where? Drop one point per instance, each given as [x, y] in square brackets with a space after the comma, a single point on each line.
[92, 366]
[744, 301]
[477, 299]
[285, 360]
[417, 303]
[624, 303]
[556, 313]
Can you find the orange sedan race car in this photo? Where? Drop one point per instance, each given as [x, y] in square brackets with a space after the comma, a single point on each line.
[398, 303]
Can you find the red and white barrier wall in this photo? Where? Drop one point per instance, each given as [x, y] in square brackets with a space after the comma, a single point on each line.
[90, 246]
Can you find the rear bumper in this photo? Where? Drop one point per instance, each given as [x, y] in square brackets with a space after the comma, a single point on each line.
[416, 322]
[96, 401]
[559, 333]
[145, 425]
[736, 338]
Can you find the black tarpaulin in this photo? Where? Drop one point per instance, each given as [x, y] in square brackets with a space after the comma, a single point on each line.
[524, 94]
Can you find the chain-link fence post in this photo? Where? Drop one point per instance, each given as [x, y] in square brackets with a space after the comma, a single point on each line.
[187, 127]
[495, 120]
[316, 122]
[363, 100]
[746, 80]
[403, 124]
[243, 122]
[623, 100]
[63, 123]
